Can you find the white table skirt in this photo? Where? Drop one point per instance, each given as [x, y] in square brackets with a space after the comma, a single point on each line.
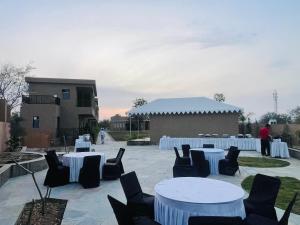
[75, 162]
[167, 143]
[280, 149]
[213, 155]
[82, 144]
[177, 199]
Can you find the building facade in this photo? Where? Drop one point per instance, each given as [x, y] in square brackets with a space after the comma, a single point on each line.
[188, 117]
[56, 107]
[118, 122]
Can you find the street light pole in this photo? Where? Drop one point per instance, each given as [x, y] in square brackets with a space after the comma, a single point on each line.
[130, 125]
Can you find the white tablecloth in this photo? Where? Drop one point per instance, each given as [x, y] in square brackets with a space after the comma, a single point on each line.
[82, 144]
[74, 160]
[213, 155]
[177, 199]
[280, 149]
[167, 143]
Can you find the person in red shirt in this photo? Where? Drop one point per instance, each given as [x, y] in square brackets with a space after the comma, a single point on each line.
[264, 134]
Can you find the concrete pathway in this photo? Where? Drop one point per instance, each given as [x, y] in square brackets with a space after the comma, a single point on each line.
[91, 207]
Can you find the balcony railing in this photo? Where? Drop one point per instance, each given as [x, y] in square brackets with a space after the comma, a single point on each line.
[40, 99]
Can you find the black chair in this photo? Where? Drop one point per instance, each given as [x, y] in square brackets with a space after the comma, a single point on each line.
[230, 165]
[184, 170]
[262, 197]
[113, 170]
[215, 220]
[181, 160]
[55, 156]
[89, 175]
[200, 163]
[186, 150]
[57, 175]
[82, 149]
[141, 204]
[113, 160]
[208, 146]
[124, 216]
[254, 219]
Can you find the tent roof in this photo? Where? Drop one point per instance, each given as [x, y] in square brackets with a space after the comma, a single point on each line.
[194, 105]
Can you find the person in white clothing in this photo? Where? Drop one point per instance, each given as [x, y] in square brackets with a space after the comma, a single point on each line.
[102, 135]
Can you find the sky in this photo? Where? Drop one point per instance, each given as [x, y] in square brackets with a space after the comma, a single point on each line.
[161, 48]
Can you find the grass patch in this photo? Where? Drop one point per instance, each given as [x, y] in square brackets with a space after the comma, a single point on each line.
[262, 162]
[289, 186]
[125, 135]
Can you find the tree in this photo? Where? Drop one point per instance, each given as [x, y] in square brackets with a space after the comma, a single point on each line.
[16, 132]
[139, 102]
[295, 114]
[280, 118]
[12, 83]
[219, 97]
[243, 126]
[138, 119]
[104, 124]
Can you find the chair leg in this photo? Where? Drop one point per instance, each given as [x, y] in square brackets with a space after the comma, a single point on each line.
[48, 192]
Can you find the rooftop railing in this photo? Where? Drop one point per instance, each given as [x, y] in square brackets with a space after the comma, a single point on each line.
[40, 99]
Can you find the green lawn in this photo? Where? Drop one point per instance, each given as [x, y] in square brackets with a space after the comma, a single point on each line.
[262, 162]
[289, 186]
[125, 135]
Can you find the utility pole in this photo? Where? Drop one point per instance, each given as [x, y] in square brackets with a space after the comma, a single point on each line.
[275, 98]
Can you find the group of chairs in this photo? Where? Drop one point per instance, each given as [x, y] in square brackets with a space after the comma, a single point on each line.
[259, 206]
[89, 175]
[198, 166]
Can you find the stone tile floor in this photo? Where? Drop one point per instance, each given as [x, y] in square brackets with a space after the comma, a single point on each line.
[91, 207]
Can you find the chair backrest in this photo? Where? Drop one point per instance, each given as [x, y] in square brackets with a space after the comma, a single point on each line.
[54, 155]
[264, 189]
[120, 155]
[82, 149]
[197, 157]
[215, 220]
[233, 153]
[285, 218]
[91, 162]
[120, 152]
[208, 145]
[121, 211]
[130, 185]
[186, 150]
[52, 164]
[177, 153]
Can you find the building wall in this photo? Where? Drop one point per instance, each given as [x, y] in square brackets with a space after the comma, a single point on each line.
[47, 113]
[4, 111]
[190, 125]
[69, 111]
[4, 135]
[294, 130]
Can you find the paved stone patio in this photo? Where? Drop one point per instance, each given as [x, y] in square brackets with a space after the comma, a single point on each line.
[91, 207]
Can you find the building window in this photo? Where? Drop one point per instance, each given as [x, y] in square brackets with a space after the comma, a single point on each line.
[66, 94]
[35, 122]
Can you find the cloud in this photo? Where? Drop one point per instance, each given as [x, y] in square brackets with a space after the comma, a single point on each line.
[200, 40]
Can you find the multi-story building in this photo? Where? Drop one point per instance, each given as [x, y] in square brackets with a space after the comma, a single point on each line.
[118, 122]
[56, 107]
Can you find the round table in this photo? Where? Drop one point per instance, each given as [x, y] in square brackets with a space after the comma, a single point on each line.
[279, 149]
[74, 160]
[177, 199]
[213, 155]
